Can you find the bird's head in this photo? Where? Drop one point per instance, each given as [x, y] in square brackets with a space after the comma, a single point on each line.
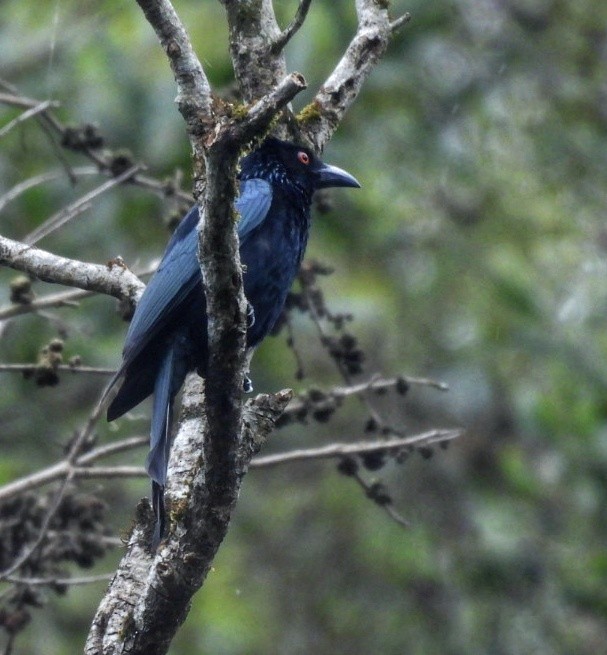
[282, 162]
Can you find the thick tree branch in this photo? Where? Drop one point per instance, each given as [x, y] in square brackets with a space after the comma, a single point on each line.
[194, 91]
[321, 118]
[159, 587]
[114, 280]
[201, 492]
[253, 30]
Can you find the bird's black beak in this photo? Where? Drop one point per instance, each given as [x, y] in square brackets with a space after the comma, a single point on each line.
[329, 176]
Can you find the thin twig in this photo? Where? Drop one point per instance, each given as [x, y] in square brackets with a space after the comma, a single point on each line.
[68, 582]
[363, 395]
[102, 160]
[72, 368]
[400, 21]
[63, 299]
[375, 383]
[287, 34]
[30, 550]
[108, 472]
[339, 450]
[34, 111]
[60, 469]
[78, 443]
[386, 506]
[43, 178]
[66, 214]
[81, 469]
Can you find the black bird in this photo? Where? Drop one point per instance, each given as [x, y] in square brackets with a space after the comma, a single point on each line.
[167, 337]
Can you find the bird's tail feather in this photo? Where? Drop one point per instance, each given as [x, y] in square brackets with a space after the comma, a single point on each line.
[168, 381]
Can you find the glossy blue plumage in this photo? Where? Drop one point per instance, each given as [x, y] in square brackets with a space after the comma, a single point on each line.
[167, 337]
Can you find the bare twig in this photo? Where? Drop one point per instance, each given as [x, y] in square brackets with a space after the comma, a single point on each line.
[287, 34]
[81, 467]
[102, 160]
[29, 113]
[339, 450]
[66, 214]
[72, 368]
[43, 178]
[63, 582]
[63, 299]
[342, 87]
[364, 392]
[400, 21]
[385, 504]
[375, 383]
[61, 469]
[109, 472]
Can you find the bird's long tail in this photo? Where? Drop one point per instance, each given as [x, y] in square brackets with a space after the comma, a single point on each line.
[168, 381]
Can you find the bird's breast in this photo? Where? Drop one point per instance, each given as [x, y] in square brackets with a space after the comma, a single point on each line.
[272, 257]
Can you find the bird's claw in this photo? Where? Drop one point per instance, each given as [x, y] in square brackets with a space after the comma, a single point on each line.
[247, 385]
[250, 315]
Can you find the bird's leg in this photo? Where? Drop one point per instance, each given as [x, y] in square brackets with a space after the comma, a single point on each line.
[247, 384]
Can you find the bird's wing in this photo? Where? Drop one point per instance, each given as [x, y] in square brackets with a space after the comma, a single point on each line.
[179, 272]
[176, 276]
[253, 203]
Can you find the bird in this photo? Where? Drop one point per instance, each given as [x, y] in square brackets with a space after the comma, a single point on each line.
[167, 337]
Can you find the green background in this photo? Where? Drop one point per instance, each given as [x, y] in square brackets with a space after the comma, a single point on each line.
[474, 254]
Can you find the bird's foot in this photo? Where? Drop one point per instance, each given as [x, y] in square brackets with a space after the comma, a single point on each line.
[247, 385]
[250, 315]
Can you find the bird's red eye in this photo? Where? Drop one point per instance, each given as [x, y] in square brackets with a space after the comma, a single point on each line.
[303, 157]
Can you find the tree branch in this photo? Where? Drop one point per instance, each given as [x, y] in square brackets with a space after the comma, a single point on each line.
[339, 450]
[113, 280]
[320, 119]
[253, 29]
[72, 368]
[200, 494]
[287, 34]
[78, 140]
[66, 214]
[62, 299]
[159, 588]
[28, 113]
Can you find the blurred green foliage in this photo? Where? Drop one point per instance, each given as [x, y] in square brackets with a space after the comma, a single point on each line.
[475, 253]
